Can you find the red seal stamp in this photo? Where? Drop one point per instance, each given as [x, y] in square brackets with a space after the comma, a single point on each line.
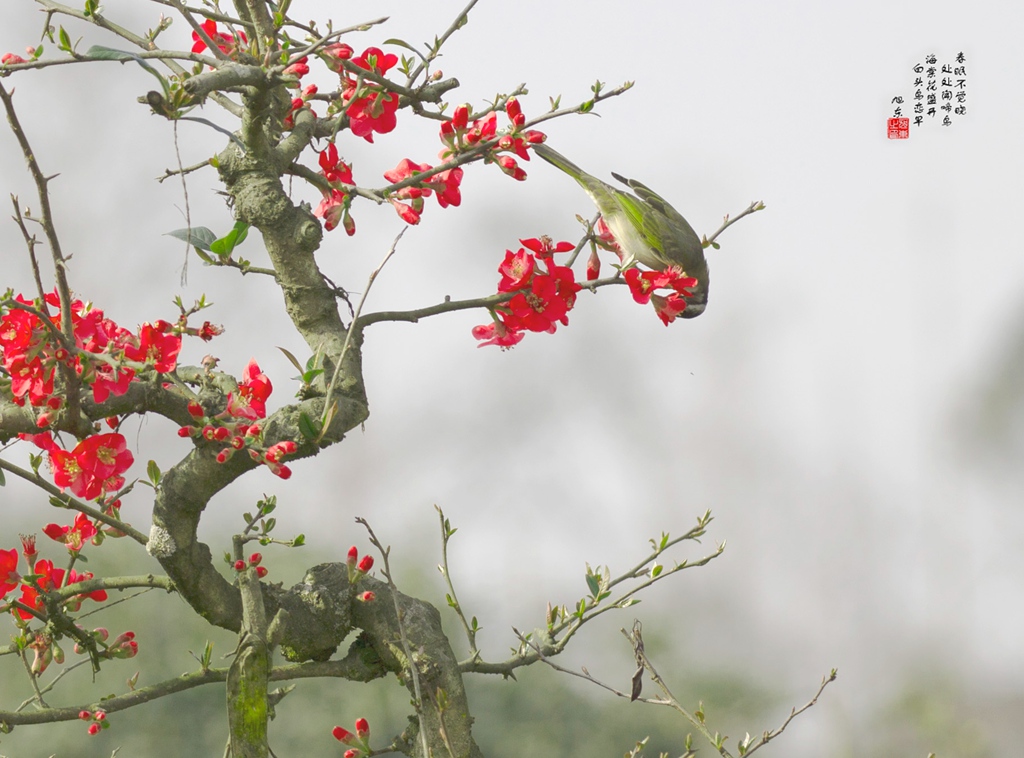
[899, 128]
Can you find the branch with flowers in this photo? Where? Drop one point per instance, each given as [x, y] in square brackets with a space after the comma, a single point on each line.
[71, 375]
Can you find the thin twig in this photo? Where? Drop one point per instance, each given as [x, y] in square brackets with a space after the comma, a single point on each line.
[470, 629]
[71, 381]
[755, 206]
[460, 21]
[30, 243]
[403, 638]
[352, 326]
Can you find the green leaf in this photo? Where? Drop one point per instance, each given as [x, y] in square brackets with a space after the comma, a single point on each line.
[227, 243]
[308, 376]
[153, 472]
[99, 52]
[65, 40]
[269, 525]
[593, 584]
[3, 480]
[299, 540]
[291, 358]
[308, 427]
[198, 236]
[406, 45]
[328, 418]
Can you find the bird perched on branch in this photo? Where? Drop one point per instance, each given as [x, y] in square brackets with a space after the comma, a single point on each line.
[646, 228]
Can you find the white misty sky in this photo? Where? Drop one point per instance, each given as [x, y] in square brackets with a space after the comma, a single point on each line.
[817, 407]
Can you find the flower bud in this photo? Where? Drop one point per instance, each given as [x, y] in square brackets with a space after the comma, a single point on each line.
[343, 735]
[460, 118]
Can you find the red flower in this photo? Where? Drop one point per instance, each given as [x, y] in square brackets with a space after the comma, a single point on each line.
[334, 170]
[73, 536]
[669, 307]
[106, 383]
[515, 270]
[155, 347]
[539, 308]
[208, 331]
[498, 333]
[43, 441]
[50, 578]
[404, 170]
[276, 452]
[226, 42]
[447, 184]
[251, 401]
[641, 284]
[334, 208]
[30, 378]
[11, 59]
[545, 247]
[93, 467]
[483, 129]
[374, 109]
[373, 59]
[371, 113]
[28, 546]
[8, 571]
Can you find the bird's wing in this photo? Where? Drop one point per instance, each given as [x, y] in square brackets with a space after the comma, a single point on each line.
[641, 219]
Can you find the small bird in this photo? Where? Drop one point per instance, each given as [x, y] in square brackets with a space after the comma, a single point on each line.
[646, 227]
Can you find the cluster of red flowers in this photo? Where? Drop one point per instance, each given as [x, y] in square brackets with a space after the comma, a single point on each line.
[444, 183]
[542, 299]
[93, 468]
[238, 424]
[458, 135]
[369, 107]
[45, 578]
[334, 207]
[104, 357]
[31, 353]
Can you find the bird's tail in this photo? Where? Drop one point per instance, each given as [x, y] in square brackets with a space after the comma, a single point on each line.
[558, 160]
